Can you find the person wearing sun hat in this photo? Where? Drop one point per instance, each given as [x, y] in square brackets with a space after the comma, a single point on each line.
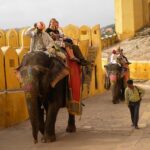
[113, 57]
[40, 40]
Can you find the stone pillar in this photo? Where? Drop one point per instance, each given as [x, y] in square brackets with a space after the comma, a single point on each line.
[73, 32]
[12, 38]
[11, 62]
[2, 74]
[85, 33]
[2, 38]
[24, 41]
[98, 84]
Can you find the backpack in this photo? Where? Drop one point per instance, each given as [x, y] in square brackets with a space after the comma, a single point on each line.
[138, 92]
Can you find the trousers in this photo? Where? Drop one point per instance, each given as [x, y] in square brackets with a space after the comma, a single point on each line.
[134, 111]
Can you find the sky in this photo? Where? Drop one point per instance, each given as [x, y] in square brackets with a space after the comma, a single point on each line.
[22, 13]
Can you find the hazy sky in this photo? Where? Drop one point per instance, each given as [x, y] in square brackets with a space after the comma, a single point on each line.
[20, 13]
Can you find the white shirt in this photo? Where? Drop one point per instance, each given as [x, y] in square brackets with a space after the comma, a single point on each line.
[39, 42]
[113, 59]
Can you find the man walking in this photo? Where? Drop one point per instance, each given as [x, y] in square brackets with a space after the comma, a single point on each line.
[133, 95]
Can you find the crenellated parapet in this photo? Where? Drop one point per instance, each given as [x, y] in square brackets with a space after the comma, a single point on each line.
[14, 45]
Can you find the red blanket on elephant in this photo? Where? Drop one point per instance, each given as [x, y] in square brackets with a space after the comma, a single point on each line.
[74, 103]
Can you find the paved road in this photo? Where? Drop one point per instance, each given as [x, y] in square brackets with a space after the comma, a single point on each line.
[102, 126]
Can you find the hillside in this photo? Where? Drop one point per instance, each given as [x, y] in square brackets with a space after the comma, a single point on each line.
[136, 48]
[107, 30]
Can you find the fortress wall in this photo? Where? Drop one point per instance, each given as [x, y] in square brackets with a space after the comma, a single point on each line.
[130, 16]
[14, 44]
[138, 15]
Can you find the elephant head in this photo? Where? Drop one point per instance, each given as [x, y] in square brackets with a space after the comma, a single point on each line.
[114, 75]
[31, 79]
[41, 79]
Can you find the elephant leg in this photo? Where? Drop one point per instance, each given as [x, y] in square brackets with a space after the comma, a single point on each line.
[71, 124]
[41, 120]
[122, 94]
[49, 134]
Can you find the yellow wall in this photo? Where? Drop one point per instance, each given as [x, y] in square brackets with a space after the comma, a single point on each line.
[12, 38]
[10, 102]
[96, 42]
[2, 38]
[140, 70]
[118, 16]
[2, 73]
[11, 62]
[24, 40]
[2, 109]
[17, 45]
[86, 37]
[138, 14]
[72, 31]
[13, 108]
[85, 33]
[84, 45]
[124, 18]
[21, 52]
[130, 16]
[146, 12]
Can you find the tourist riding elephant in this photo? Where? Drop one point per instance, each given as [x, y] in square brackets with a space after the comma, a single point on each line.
[115, 80]
[44, 81]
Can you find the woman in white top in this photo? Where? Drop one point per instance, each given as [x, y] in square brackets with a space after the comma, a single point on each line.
[113, 57]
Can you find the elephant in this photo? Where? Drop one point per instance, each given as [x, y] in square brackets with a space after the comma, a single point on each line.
[115, 80]
[44, 95]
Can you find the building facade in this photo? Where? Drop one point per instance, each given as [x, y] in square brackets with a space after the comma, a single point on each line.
[131, 16]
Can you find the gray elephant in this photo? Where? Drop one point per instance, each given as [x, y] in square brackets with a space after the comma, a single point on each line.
[114, 80]
[44, 81]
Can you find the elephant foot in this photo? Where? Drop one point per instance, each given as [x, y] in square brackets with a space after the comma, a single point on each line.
[35, 141]
[115, 102]
[122, 99]
[71, 128]
[48, 139]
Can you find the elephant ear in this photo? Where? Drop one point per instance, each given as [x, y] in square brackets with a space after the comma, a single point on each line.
[18, 75]
[63, 73]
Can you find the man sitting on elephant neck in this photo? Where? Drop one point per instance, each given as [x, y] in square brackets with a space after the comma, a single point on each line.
[113, 63]
[41, 41]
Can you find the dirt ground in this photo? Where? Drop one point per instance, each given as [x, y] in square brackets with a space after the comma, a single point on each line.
[103, 125]
[136, 48]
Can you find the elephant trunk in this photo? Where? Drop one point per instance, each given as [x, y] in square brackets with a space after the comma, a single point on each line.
[114, 79]
[32, 105]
